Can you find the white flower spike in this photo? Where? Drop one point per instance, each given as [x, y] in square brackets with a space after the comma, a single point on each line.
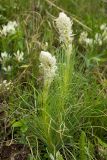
[64, 26]
[48, 65]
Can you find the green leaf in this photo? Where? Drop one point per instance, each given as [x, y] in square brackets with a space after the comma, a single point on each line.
[17, 124]
[21, 124]
[91, 150]
[82, 146]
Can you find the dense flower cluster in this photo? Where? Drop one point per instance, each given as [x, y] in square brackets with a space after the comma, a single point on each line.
[85, 40]
[99, 39]
[64, 26]
[6, 57]
[48, 66]
[10, 28]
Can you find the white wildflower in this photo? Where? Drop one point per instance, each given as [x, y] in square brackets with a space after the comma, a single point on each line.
[48, 65]
[104, 35]
[64, 26]
[7, 69]
[4, 56]
[19, 56]
[85, 40]
[10, 28]
[89, 41]
[98, 39]
[103, 26]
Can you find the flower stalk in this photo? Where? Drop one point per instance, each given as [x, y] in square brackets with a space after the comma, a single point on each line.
[64, 26]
